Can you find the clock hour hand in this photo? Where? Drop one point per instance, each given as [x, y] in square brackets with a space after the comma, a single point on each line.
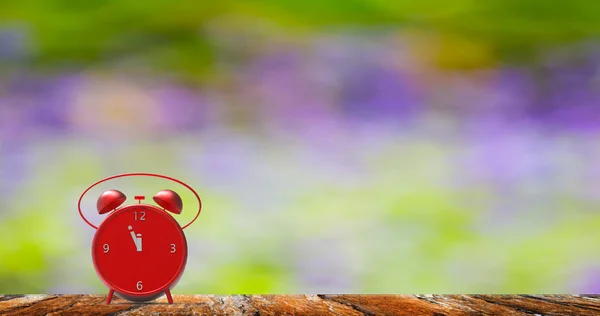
[136, 240]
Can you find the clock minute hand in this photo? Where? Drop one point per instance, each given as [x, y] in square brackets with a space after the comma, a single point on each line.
[136, 240]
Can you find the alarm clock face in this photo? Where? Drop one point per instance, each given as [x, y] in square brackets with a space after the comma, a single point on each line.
[139, 251]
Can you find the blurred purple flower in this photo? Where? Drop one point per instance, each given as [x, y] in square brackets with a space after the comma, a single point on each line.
[14, 43]
[588, 281]
[378, 92]
[52, 101]
[42, 101]
[569, 94]
[513, 90]
[15, 166]
[183, 109]
[226, 162]
[287, 92]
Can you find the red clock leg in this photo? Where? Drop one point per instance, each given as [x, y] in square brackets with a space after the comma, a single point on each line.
[169, 298]
[110, 295]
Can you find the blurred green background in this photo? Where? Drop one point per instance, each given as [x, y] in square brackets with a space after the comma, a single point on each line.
[339, 147]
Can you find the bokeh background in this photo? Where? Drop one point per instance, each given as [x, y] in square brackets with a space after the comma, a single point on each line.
[352, 146]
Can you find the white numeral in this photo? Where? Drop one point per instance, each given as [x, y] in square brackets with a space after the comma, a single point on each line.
[173, 248]
[139, 286]
[106, 248]
[142, 216]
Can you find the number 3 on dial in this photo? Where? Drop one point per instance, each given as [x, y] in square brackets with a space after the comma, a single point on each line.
[173, 248]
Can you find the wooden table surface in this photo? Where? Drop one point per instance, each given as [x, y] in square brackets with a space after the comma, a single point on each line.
[434, 305]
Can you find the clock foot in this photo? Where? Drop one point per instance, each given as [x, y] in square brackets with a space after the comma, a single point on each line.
[110, 295]
[169, 298]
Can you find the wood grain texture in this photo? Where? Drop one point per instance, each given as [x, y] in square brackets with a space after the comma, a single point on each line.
[433, 305]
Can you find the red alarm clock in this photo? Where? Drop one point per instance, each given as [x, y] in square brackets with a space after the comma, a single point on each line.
[139, 250]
